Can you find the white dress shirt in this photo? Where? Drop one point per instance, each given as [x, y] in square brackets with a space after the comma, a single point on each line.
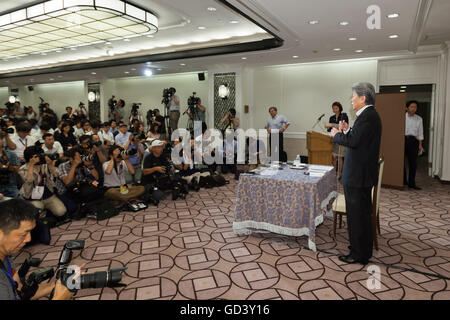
[21, 144]
[414, 126]
[57, 148]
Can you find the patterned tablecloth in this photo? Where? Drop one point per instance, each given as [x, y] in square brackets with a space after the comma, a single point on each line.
[288, 202]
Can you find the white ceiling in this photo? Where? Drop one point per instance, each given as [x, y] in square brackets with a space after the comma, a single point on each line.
[288, 19]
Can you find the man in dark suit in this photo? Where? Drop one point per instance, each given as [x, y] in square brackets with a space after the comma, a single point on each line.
[360, 172]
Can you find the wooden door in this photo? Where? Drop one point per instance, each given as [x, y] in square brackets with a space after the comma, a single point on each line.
[392, 109]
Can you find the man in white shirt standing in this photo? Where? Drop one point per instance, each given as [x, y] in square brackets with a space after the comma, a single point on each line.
[276, 125]
[413, 143]
[51, 146]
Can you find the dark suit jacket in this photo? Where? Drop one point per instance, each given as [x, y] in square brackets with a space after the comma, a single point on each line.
[363, 148]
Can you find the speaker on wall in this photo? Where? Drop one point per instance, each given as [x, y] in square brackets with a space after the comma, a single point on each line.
[201, 76]
[30, 88]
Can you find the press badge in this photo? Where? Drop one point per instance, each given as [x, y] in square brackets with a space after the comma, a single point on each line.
[38, 193]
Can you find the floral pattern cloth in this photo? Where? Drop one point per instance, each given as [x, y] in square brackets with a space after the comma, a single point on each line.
[289, 203]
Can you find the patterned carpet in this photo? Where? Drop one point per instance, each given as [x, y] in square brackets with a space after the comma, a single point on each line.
[187, 250]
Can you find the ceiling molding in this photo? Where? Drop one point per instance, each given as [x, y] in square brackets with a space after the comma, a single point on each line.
[420, 22]
[196, 53]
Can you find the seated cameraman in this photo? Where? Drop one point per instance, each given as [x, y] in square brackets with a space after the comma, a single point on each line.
[22, 139]
[9, 164]
[51, 146]
[39, 176]
[106, 136]
[94, 152]
[17, 219]
[156, 172]
[78, 181]
[115, 170]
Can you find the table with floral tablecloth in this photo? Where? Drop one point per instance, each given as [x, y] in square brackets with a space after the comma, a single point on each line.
[287, 202]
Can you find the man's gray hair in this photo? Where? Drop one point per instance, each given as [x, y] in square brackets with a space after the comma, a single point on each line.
[365, 89]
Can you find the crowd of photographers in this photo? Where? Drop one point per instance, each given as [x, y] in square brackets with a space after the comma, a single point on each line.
[52, 168]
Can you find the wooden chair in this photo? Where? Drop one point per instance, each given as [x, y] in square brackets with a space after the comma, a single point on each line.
[340, 210]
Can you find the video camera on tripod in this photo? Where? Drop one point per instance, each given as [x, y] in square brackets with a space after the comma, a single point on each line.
[135, 108]
[112, 103]
[167, 94]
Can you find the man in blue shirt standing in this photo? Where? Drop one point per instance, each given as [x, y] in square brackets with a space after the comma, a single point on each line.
[277, 125]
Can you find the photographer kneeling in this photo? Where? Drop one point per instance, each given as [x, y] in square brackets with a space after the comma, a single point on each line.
[159, 174]
[115, 170]
[17, 219]
[39, 176]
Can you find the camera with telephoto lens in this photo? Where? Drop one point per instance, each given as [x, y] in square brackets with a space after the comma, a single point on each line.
[4, 127]
[128, 152]
[88, 145]
[100, 279]
[41, 156]
[31, 284]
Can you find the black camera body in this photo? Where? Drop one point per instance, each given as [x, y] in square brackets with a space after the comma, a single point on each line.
[4, 127]
[53, 156]
[112, 103]
[100, 279]
[128, 152]
[42, 105]
[135, 108]
[167, 94]
[193, 100]
[9, 106]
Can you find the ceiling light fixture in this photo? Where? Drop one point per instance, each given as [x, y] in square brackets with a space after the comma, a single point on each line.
[234, 21]
[402, 90]
[359, 51]
[182, 64]
[295, 57]
[337, 49]
[344, 23]
[201, 28]
[148, 72]
[212, 9]
[312, 22]
[12, 99]
[352, 39]
[393, 15]
[55, 24]
[224, 91]
[394, 36]
[91, 96]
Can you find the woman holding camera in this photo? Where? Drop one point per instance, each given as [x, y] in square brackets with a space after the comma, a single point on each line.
[39, 176]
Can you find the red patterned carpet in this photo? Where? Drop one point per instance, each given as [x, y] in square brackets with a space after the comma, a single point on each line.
[187, 250]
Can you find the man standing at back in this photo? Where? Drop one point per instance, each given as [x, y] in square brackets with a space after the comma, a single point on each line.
[360, 171]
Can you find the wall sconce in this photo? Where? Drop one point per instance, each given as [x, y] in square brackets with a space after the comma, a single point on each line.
[224, 91]
[92, 96]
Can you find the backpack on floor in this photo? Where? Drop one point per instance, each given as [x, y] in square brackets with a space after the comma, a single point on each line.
[207, 182]
[219, 180]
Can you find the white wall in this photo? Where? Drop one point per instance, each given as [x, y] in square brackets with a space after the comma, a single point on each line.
[303, 92]
[58, 95]
[148, 91]
[3, 96]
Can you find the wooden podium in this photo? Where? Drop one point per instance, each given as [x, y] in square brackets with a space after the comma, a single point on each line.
[320, 147]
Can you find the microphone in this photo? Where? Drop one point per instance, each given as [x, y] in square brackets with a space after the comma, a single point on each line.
[320, 118]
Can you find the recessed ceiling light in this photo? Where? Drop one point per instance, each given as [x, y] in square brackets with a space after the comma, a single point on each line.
[244, 58]
[59, 51]
[359, 51]
[159, 69]
[337, 49]
[344, 23]
[43, 54]
[148, 72]
[402, 90]
[127, 72]
[313, 22]
[212, 9]
[234, 21]
[201, 28]
[127, 40]
[352, 39]
[93, 72]
[150, 36]
[182, 64]
[295, 57]
[51, 79]
[73, 49]
[394, 36]
[133, 69]
[393, 15]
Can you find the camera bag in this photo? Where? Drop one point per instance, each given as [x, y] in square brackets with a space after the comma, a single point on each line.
[100, 209]
[219, 180]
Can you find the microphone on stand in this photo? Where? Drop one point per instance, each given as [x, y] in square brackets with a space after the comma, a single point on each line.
[318, 120]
